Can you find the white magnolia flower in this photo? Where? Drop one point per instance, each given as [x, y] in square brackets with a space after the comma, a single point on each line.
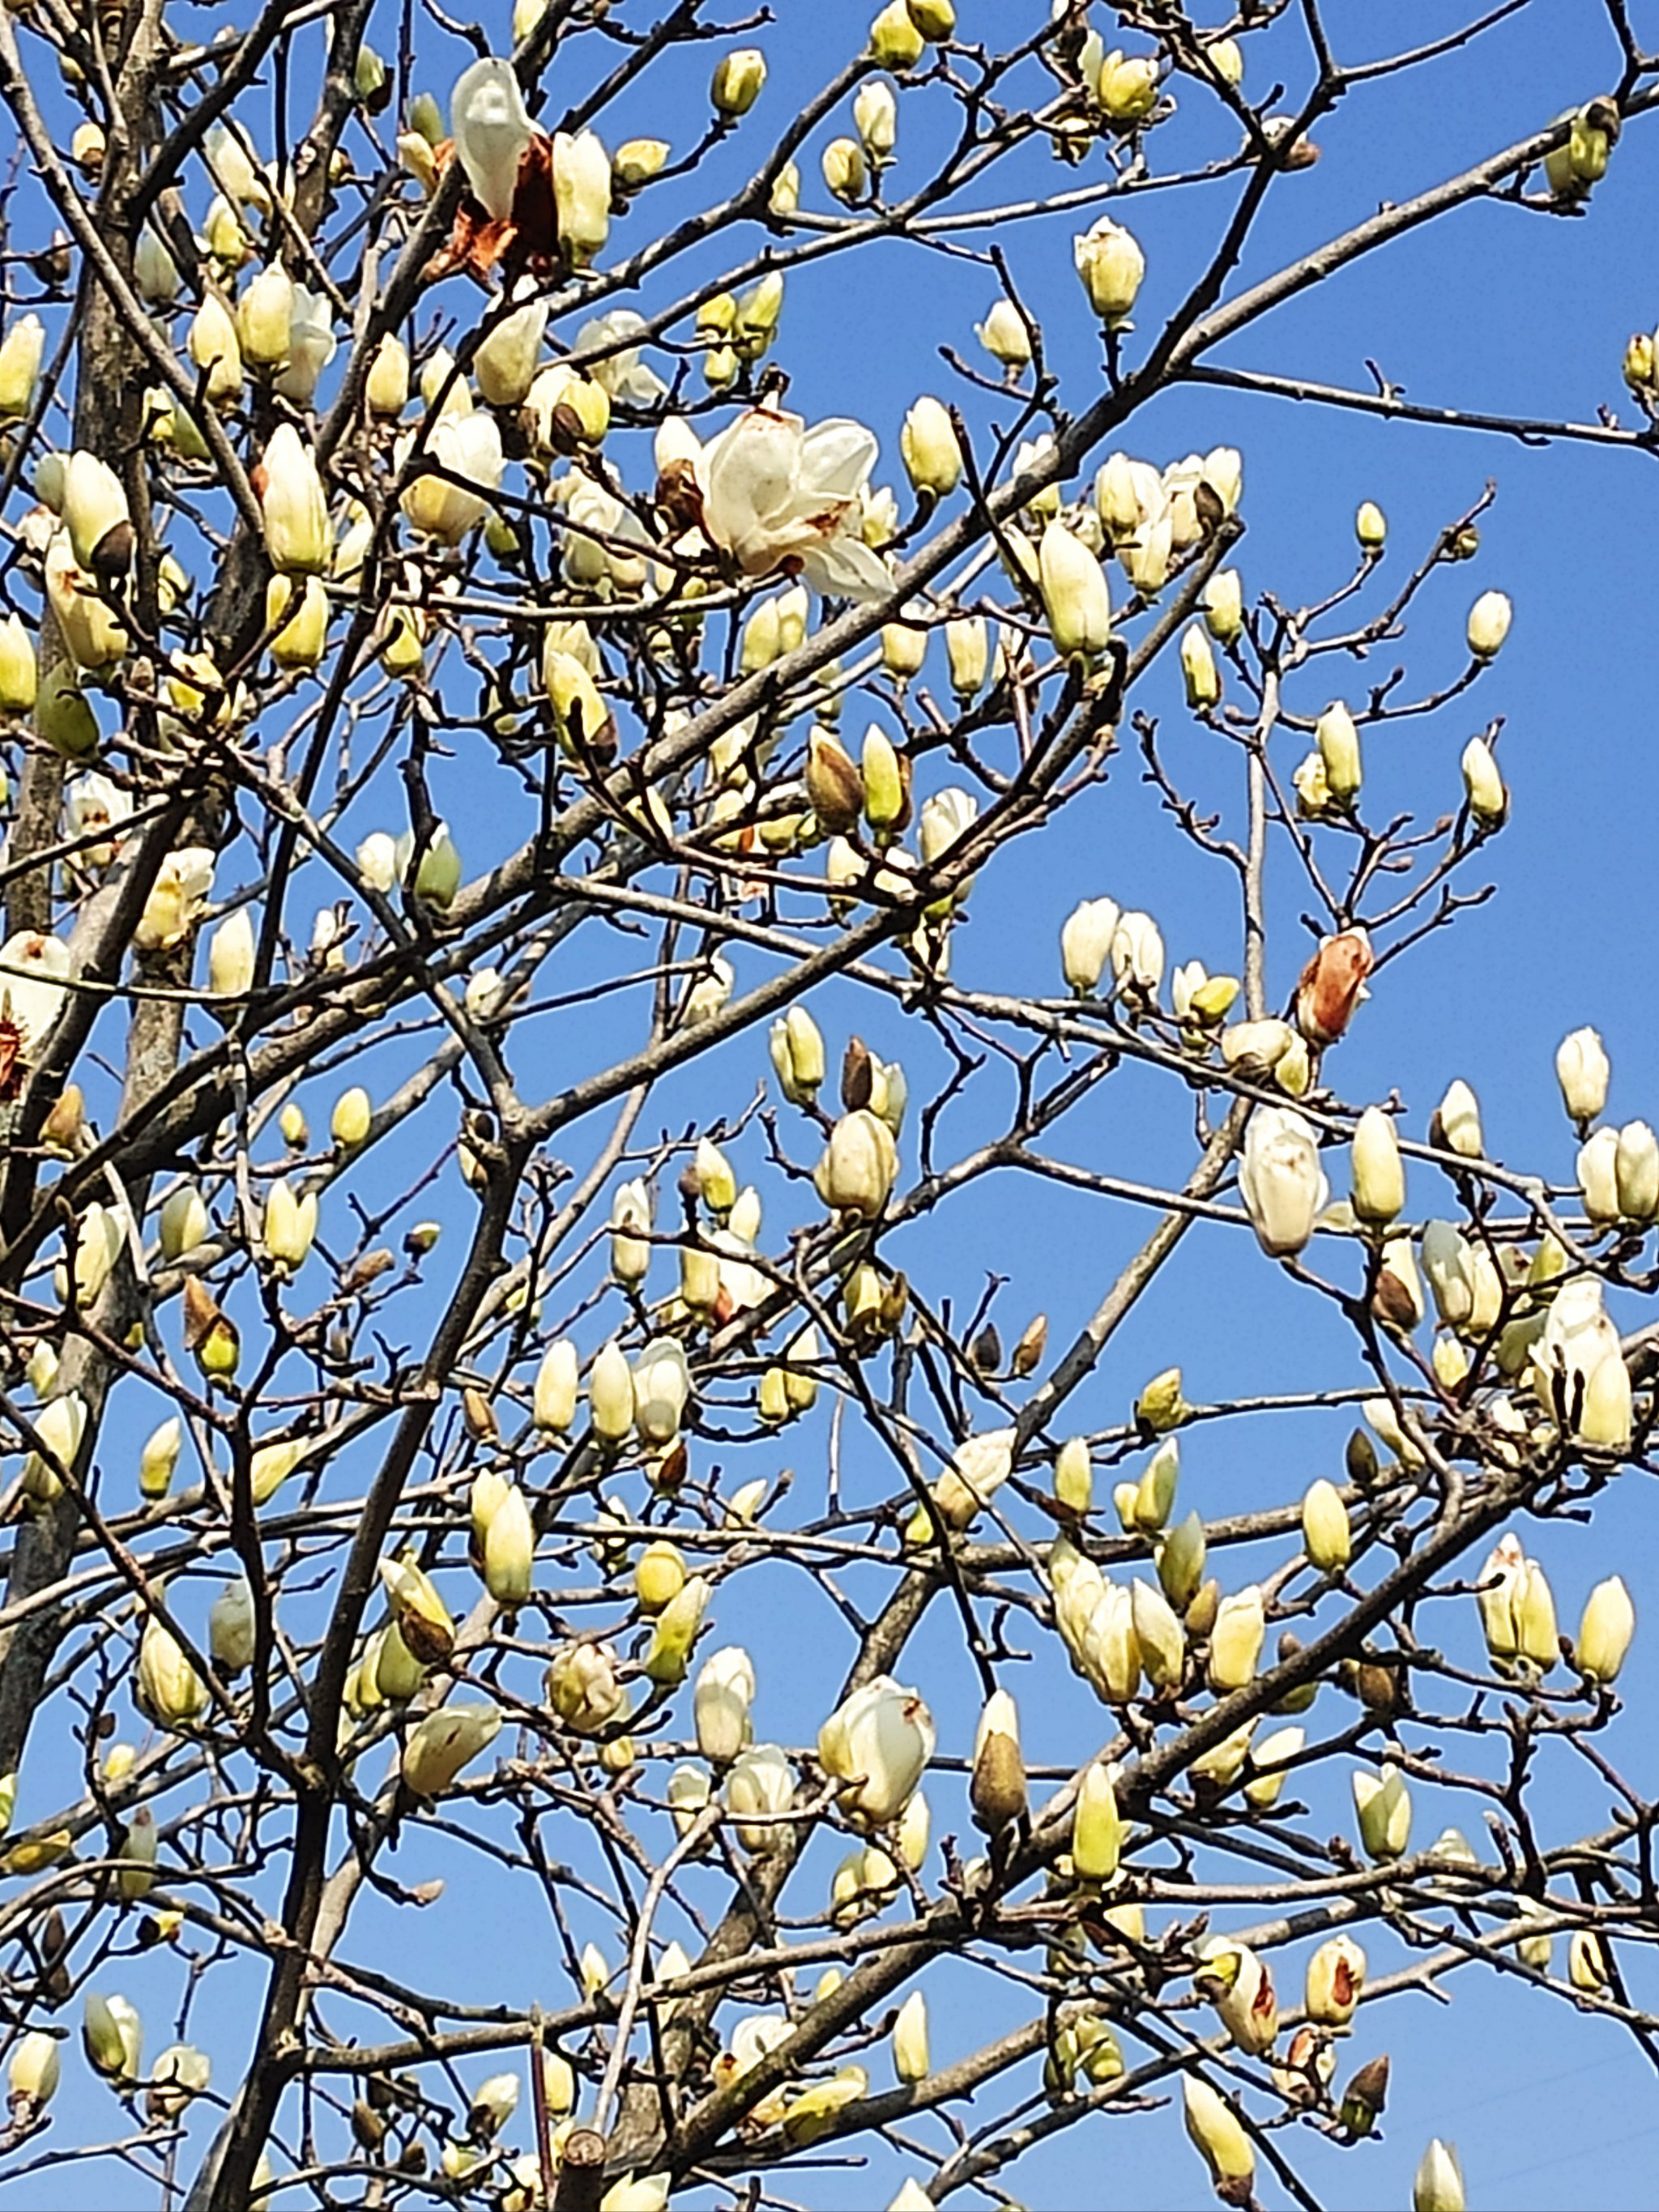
[491, 130]
[312, 345]
[623, 374]
[778, 492]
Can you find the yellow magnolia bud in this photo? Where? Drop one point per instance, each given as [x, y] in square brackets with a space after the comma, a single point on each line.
[1224, 611]
[1457, 1123]
[231, 1628]
[1336, 1974]
[845, 170]
[158, 1458]
[737, 82]
[1483, 786]
[674, 1632]
[1074, 1476]
[859, 1167]
[138, 1844]
[1236, 1639]
[1587, 1964]
[796, 1047]
[422, 1619]
[213, 345]
[169, 1688]
[1489, 624]
[895, 39]
[658, 1577]
[1370, 526]
[1219, 2137]
[19, 672]
[1162, 1645]
[1438, 2185]
[910, 2056]
[1337, 736]
[1127, 88]
[932, 456]
[112, 2036]
[1605, 1631]
[1096, 1828]
[1268, 1761]
[33, 2076]
[1160, 1405]
[446, 1742]
[1111, 266]
[1379, 1175]
[1074, 593]
[1384, 1806]
[553, 1399]
[1325, 1532]
[290, 1223]
[1583, 1070]
[21, 353]
[349, 1124]
[509, 1549]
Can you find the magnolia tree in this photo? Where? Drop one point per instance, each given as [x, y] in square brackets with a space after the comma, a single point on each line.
[448, 693]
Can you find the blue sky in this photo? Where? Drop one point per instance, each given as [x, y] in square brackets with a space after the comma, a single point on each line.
[1498, 308]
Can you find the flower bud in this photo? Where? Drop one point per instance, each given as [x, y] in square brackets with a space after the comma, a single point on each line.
[112, 2036]
[231, 1628]
[290, 1225]
[1583, 1071]
[1199, 671]
[859, 1167]
[895, 39]
[1325, 1532]
[1219, 2138]
[845, 171]
[997, 1789]
[611, 1394]
[1336, 1974]
[1438, 2185]
[1085, 942]
[1159, 1636]
[797, 1054]
[674, 1632]
[1096, 1828]
[444, 1742]
[1111, 266]
[213, 346]
[1455, 1127]
[737, 82]
[1224, 614]
[1489, 623]
[1280, 1179]
[1483, 787]
[1379, 1175]
[95, 512]
[582, 197]
[33, 2076]
[60, 1425]
[1384, 1806]
[1236, 1639]
[1337, 736]
[1370, 526]
[138, 1844]
[168, 1689]
[630, 1221]
[932, 456]
[158, 1458]
[910, 2061]
[1635, 1172]
[1074, 593]
[1127, 88]
[509, 1549]
[1587, 1964]
[21, 353]
[1605, 1631]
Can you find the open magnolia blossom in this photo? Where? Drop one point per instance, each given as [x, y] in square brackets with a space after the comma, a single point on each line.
[778, 494]
[492, 132]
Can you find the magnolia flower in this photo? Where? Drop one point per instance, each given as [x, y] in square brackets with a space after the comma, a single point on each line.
[761, 1781]
[877, 1743]
[1605, 1630]
[778, 494]
[1280, 1179]
[33, 971]
[1111, 265]
[581, 194]
[1004, 336]
[183, 884]
[444, 1742]
[468, 446]
[622, 374]
[292, 500]
[1578, 1370]
[1219, 2135]
[312, 345]
[492, 132]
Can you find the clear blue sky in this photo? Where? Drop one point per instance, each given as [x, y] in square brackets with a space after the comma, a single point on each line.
[1497, 308]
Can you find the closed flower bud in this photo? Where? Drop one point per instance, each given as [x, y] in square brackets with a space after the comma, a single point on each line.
[60, 1425]
[721, 1705]
[910, 2038]
[896, 40]
[630, 1218]
[1635, 1172]
[1489, 623]
[1583, 1071]
[1457, 1124]
[1438, 2185]
[1085, 942]
[21, 352]
[1384, 1806]
[1074, 1476]
[1337, 736]
[1483, 787]
[491, 130]
[113, 2037]
[1004, 335]
[582, 1687]
[213, 347]
[506, 361]
[160, 1457]
[231, 1628]
[1587, 1964]
[673, 1634]
[1268, 1761]
[845, 170]
[1605, 1631]
[1127, 88]
[875, 117]
[797, 1053]
[1074, 594]
[1236, 1639]
[444, 1742]
[1224, 608]
[1181, 1562]
[1325, 1532]
[18, 671]
[1370, 526]
[509, 1549]
[95, 512]
[1219, 2138]
[737, 82]
[32, 2075]
[997, 1789]
[290, 1225]
[611, 1394]
[1379, 1175]
[1097, 1829]
[421, 1617]
[636, 161]
[859, 1167]
[659, 1576]
[1280, 1179]
[1111, 265]
[581, 195]
[1199, 671]
[1159, 1636]
[832, 784]
[263, 315]
[138, 1844]
[169, 1688]
[927, 443]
